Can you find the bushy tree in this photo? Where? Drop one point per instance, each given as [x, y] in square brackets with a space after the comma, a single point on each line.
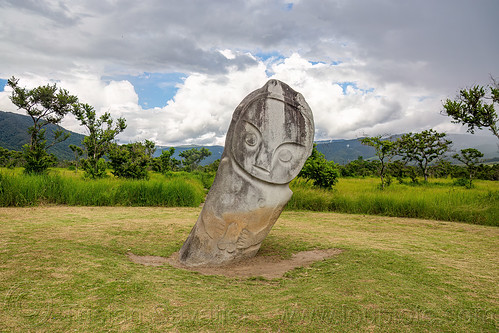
[131, 160]
[102, 132]
[470, 108]
[422, 148]
[488, 172]
[166, 162]
[442, 169]
[359, 168]
[192, 157]
[385, 150]
[4, 156]
[398, 169]
[322, 172]
[45, 105]
[212, 167]
[10, 158]
[470, 157]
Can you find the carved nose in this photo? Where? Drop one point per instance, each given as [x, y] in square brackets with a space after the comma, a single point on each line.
[264, 160]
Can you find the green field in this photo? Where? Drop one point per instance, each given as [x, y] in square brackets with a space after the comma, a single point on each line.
[65, 269]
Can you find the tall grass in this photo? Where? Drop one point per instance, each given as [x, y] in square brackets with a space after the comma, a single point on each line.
[28, 190]
[439, 200]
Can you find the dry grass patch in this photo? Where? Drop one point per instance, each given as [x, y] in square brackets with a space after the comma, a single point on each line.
[66, 269]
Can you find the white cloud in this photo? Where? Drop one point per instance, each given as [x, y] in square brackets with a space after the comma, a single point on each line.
[201, 110]
[394, 53]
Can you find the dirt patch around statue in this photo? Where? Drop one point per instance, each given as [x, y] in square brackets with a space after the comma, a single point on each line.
[269, 267]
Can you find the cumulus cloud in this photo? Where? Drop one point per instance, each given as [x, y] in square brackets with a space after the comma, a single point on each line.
[201, 111]
[365, 67]
[345, 104]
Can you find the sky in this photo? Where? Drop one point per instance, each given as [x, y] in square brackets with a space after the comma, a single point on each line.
[176, 70]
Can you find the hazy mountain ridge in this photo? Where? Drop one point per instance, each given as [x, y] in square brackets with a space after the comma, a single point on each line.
[216, 152]
[343, 151]
[14, 134]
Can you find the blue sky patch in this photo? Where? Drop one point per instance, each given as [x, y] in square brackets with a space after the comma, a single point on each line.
[274, 56]
[345, 85]
[423, 98]
[2, 84]
[153, 89]
[269, 58]
[288, 6]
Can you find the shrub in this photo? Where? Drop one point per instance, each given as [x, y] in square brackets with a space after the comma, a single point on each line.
[323, 173]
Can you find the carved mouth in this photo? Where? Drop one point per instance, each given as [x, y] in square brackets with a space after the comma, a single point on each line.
[259, 168]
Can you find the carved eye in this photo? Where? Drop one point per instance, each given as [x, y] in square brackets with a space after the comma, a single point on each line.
[285, 155]
[250, 139]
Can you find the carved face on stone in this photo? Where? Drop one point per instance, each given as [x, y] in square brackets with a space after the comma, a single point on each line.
[271, 139]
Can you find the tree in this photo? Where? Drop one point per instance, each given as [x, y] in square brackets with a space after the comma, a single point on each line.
[165, 162]
[470, 157]
[192, 157]
[359, 168]
[5, 157]
[11, 158]
[131, 160]
[212, 167]
[423, 148]
[442, 169]
[470, 108]
[78, 151]
[322, 172]
[45, 105]
[385, 150]
[101, 133]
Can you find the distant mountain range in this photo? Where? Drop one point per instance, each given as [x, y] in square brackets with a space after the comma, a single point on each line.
[344, 151]
[14, 134]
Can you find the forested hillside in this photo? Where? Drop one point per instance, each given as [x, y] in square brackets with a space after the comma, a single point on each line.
[14, 134]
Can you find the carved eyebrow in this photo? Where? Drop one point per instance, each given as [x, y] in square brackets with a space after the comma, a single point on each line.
[290, 143]
[254, 127]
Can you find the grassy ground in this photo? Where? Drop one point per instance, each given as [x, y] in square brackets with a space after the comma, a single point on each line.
[65, 269]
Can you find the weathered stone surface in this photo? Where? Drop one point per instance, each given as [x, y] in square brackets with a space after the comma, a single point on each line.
[268, 141]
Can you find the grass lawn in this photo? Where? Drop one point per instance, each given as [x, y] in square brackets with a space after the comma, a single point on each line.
[65, 269]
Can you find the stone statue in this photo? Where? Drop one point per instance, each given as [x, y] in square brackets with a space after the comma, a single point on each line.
[269, 140]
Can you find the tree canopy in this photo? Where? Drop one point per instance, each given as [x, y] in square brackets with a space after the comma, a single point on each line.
[423, 148]
[385, 150]
[322, 172]
[45, 105]
[131, 160]
[470, 157]
[102, 131]
[166, 162]
[192, 157]
[471, 108]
